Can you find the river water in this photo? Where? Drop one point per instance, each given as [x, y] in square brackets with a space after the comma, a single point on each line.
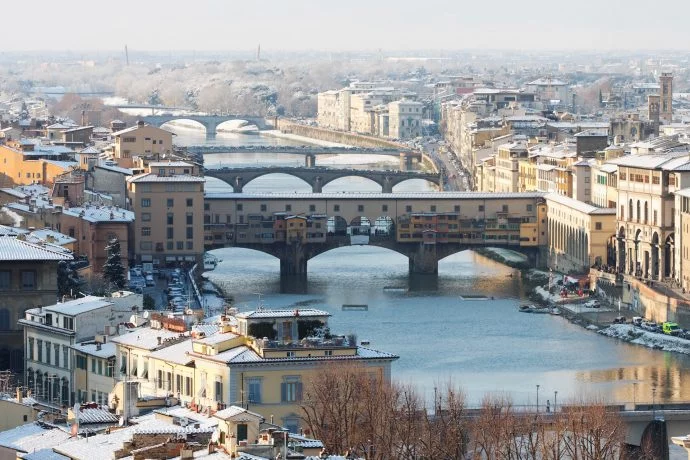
[486, 347]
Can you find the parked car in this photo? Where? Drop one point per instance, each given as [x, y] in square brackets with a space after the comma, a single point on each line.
[670, 328]
[150, 281]
[619, 320]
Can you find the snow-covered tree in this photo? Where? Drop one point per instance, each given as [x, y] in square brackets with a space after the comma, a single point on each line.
[113, 270]
[68, 280]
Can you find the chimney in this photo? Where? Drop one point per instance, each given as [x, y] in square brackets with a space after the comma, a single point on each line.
[19, 395]
[160, 340]
[140, 123]
[98, 346]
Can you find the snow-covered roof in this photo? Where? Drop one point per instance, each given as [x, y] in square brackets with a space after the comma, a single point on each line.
[297, 312]
[149, 177]
[363, 196]
[234, 411]
[185, 412]
[177, 353]
[96, 415]
[649, 161]
[161, 164]
[12, 248]
[145, 338]
[93, 213]
[578, 205]
[90, 149]
[219, 337]
[32, 436]
[608, 168]
[106, 350]
[246, 355]
[546, 81]
[78, 306]
[116, 168]
[57, 237]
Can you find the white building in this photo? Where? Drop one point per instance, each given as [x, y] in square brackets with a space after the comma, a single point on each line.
[405, 119]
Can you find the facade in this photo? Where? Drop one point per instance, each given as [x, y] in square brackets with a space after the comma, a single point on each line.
[666, 87]
[580, 235]
[141, 140]
[646, 215]
[26, 163]
[507, 166]
[28, 279]
[258, 360]
[94, 370]
[169, 209]
[405, 119]
[550, 89]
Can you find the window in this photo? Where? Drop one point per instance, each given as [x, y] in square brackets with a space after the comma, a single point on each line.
[408, 208]
[145, 231]
[529, 208]
[39, 348]
[129, 139]
[190, 245]
[190, 202]
[170, 218]
[160, 379]
[456, 208]
[288, 207]
[586, 180]
[291, 391]
[219, 391]
[168, 381]
[31, 349]
[239, 206]
[190, 218]
[170, 202]
[190, 233]
[93, 365]
[188, 386]
[57, 354]
[146, 202]
[504, 208]
[170, 245]
[597, 226]
[180, 245]
[48, 348]
[263, 207]
[28, 278]
[5, 279]
[312, 208]
[254, 387]
[81, 362]
[360, 208]
[433, 208]
[65, 357]
[384, 208]
[481, 208]
[207, 206]
[100, 367]
[145, 217]
[170, 233]
[336, 208]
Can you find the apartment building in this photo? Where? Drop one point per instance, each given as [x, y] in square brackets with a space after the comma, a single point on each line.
[26, 162]
[405, 119]
[94, 370]
[507, 165]
[141, 140]
[28, 279]
[168, 204]
[259, 360]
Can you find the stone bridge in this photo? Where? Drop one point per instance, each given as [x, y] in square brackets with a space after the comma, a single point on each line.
[423, 226]
[318, 177]
[210, 122]
[298, 150]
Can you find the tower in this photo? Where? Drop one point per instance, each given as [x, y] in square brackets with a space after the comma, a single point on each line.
[666, 109]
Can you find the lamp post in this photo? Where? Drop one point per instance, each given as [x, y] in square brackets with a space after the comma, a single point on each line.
[538, 398]
[555, 400]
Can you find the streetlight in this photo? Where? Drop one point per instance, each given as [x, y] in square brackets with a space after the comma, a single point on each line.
[555, 400]
[538, 398]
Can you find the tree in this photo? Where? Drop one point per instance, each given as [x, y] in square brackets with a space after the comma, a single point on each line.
[149, 302]
[68, 280]
[113, 270]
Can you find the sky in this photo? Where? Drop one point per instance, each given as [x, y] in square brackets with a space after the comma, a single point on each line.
[218, 25]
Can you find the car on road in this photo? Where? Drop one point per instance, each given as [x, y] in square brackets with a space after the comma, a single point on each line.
[150, 281]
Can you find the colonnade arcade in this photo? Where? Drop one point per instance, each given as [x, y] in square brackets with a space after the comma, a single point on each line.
[644, 257]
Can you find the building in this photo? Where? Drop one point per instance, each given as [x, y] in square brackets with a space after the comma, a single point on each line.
[646, 217]
[507, 165]
[94, 370]
[579, 235]
[27, 162]
[550, 90]
[141, 140]
[258, 360]
[405, 119]
[666, 86]
[50, 334]
[28, 279]
[169, 209]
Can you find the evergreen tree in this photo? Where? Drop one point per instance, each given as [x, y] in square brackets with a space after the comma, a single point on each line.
[68, 280]
[113, 270]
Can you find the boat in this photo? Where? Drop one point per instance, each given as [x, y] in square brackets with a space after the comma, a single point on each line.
[533, 309]
[474, 297]
[394, 289]
[355, 307]
[554, 311]
[210, 262]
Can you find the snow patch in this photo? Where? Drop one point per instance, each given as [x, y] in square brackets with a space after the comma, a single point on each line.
[509, 255]
[648, 339]
[304, 139]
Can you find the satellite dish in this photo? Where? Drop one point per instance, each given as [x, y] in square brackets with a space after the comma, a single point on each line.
[189, 311]
[184, 421]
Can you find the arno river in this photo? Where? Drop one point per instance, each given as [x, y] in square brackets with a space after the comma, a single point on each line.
[483, 346]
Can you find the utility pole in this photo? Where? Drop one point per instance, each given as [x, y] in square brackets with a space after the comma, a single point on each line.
[126, 55]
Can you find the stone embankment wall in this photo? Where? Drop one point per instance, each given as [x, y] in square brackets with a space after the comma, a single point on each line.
[341, 137]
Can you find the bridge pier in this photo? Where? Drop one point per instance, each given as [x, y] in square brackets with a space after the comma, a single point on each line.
[293, 260]
[405, 161]
[424, 261]
[387, 185]
[317, 185]
[237, 184]
[211, 129]
[310, 160]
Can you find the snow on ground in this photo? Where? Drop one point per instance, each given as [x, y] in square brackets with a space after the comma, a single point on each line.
[632, 334]
[306, 140]
[509, 255]
[676, 452]
[356, 159]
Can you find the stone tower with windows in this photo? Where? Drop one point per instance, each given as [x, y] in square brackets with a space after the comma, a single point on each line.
[666, 83]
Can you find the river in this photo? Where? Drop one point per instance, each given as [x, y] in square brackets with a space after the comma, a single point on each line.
[486, 347]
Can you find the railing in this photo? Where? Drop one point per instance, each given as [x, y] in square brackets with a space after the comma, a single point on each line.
[336, 342]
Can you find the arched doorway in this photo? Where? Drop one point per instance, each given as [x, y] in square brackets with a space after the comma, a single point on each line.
[655, 256]
[337, 226]
[669, 257]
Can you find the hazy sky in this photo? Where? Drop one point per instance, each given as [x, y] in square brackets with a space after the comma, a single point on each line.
[348, 25]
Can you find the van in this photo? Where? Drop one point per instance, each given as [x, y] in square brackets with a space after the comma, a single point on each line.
[637, 320]
[669, 328]
[150, 281]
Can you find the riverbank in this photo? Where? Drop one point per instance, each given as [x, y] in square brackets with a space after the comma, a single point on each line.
[507, 257]
[297, 138]
[631, 334]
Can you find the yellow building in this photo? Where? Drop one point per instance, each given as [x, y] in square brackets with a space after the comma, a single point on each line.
[94, 370]
[168, 203]
[507, 170]
[579, 235]
[141, 140]
[26, 163]
[258, 360]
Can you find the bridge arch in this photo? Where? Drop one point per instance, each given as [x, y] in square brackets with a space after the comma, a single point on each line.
[406, 183]
[331, 180]
[169, 126]
[235, 124]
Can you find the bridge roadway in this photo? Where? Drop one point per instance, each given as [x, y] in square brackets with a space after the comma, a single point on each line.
[318, 177]
[299, 150]
[425, 227]
[210, 122]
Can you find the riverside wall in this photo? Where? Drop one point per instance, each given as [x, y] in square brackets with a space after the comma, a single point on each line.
[354, 139]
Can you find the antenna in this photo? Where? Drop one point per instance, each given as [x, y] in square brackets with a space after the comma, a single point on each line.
[261, 302]
[127, 55]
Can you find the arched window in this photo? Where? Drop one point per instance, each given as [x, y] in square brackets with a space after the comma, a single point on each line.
[630, 210]
[638, 210]
[646, 212]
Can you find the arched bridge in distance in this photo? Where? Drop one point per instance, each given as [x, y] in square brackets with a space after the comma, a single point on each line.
[210, 122]
[423, 226]
[319, 177]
